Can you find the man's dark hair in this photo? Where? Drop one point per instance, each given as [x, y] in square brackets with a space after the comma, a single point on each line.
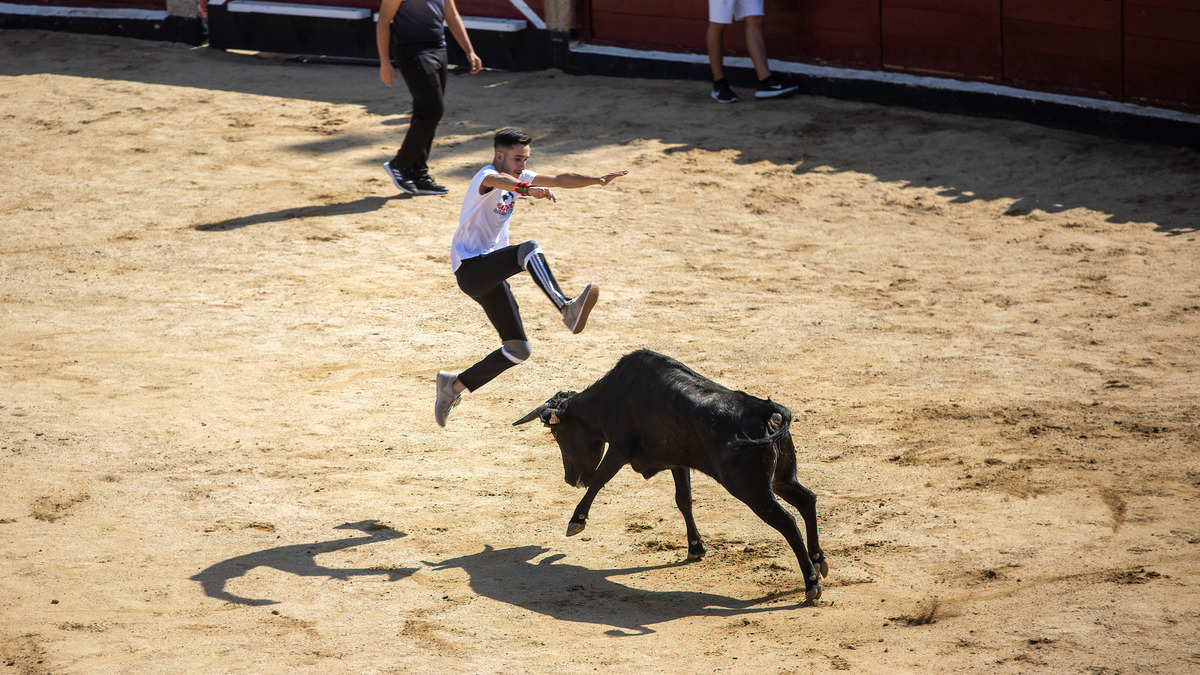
[511, 137]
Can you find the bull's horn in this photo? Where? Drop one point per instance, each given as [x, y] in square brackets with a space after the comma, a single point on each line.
[532, 415]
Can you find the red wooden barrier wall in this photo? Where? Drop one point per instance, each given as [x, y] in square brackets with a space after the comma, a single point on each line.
[1135, 50]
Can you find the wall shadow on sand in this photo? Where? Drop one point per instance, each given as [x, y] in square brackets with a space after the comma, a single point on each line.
[962, 158]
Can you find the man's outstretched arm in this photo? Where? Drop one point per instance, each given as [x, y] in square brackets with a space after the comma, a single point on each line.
[575, 180]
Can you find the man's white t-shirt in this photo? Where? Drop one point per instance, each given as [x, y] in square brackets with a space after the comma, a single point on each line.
[483, 220]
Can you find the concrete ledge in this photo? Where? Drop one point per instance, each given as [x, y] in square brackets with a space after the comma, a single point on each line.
[142, 24]
[498, 25]
[297, 9]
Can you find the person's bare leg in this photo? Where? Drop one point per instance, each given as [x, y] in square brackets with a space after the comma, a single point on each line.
[716, 50]
[757, 46]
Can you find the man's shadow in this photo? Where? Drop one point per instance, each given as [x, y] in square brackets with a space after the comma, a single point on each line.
[364, 205]
[299, 559]
[574, 593]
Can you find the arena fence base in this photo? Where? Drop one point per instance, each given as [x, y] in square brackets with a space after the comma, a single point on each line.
[168, 28]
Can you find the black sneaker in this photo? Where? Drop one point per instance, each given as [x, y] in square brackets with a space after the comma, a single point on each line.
[425, 184]
[402, 184]
[722, 93]
[773, 87]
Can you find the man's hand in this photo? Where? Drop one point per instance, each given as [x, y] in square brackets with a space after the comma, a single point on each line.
[475, 62]
[387, 73]
[542, 193]
[610, 177]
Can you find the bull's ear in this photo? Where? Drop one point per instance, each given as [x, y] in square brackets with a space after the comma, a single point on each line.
[531, 415]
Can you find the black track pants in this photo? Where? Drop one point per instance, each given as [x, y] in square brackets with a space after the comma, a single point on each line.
[425, 75]
[485, 279]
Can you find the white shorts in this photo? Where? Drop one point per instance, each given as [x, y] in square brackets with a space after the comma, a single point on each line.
[728, 11]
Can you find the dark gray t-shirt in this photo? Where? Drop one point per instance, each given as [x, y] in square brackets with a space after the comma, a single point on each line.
[420, 22]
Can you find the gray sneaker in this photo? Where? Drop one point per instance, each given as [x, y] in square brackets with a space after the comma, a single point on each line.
[579, 308]
[447, 398]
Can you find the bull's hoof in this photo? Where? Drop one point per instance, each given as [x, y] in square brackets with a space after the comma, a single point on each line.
[822, 566]
[695, 550]
[812, 595]
[574, 528]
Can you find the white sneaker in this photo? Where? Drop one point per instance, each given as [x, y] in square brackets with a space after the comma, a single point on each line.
[447, 398]
[579, 308]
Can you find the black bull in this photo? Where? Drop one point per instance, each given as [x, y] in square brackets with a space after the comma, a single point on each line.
[656, 413]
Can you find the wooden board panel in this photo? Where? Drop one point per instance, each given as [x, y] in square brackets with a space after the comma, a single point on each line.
[840, 31]
[681, 9]
[1070, 44]
[1173, 4]
[1096, 14]
[499, 9]
[1169, 23]
[663, 32]
[1162, 51]
[958, 37]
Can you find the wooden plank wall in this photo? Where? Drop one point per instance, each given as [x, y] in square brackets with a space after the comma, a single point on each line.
[1074, 44]
[675, 25]
[1162, 50]
[499, 9]
[829, 31]
[942, 37]
[834, 32]
[1137, 50]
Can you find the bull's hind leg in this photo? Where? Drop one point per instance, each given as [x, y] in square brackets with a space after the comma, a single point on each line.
[758, 497]
[805, 502]
[683, 499]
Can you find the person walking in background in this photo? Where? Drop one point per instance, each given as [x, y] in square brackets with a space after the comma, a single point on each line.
[721, 13]
[483, 260]
[417, 28]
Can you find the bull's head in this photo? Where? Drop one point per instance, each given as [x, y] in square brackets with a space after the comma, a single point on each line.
[581, 446]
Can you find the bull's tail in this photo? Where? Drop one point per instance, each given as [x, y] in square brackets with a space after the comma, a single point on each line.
[778, 424]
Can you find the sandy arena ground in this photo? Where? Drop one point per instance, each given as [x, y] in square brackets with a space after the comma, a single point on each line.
[221, 326]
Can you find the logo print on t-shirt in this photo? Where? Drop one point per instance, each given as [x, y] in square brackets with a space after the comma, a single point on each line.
[505, 206]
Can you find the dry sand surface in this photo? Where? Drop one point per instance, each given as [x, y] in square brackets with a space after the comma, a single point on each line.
[220, 328]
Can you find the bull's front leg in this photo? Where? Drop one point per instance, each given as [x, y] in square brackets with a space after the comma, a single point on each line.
[609, 466]
[683, 499]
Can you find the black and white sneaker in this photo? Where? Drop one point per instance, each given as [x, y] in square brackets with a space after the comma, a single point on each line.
[772, 87]
[402, 184]
[425, 184]
[721, 92]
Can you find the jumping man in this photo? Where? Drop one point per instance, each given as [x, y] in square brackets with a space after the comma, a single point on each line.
[483, 261]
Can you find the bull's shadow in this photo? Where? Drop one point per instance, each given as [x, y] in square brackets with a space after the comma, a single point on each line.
[299, 559]
[574, 593]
